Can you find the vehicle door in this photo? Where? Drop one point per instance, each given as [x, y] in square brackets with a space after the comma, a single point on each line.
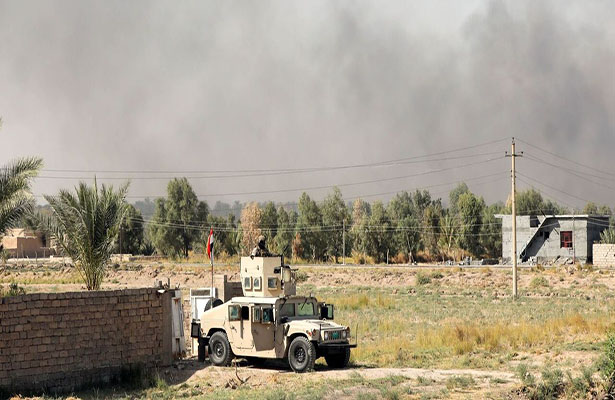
[263, 329]
[240, 326]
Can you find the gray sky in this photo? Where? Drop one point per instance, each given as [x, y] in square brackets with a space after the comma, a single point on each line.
[208, 85]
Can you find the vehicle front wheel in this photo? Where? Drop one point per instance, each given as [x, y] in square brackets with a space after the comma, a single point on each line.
[220, 350]
[338, 360]
[301, 354]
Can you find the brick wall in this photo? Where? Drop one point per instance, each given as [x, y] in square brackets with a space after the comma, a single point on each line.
[604, 255]
[61, 342]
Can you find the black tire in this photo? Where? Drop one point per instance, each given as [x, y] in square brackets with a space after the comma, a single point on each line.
[301, 355]
[201, 351]
[339, 360]
[220, 352]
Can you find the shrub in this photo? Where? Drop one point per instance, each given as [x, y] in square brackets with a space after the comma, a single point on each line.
[301, 276]
[14, 290]
[4, 256]
[437, 275]
[539, 281]
[524, 374]
[607, 364]
[459, 382]
[422, 279]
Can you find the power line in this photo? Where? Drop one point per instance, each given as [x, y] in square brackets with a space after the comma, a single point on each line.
[573, 172]
[553, 188]
[380, 163]
[340, 184]
[567, 159]
[274, 173]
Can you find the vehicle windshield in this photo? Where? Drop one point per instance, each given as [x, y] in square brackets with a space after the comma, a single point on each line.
[305, 309]
[288, 310]
[298, 309]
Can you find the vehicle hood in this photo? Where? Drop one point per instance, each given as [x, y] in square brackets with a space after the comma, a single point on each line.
[315, 324]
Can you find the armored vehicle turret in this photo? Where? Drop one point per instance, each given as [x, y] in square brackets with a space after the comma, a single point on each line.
[271, 322]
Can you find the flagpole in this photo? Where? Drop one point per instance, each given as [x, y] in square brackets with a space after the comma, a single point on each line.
[212, 263]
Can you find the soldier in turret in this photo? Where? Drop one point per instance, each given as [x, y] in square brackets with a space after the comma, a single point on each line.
[261, 248]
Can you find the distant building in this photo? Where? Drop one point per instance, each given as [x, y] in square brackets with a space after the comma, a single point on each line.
[23, 243]
[546, 238]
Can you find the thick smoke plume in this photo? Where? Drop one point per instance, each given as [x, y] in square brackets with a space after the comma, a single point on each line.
[238, 85]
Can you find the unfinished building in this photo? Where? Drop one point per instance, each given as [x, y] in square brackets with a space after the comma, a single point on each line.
[552, 238]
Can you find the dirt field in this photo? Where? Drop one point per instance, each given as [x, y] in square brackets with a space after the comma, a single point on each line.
[423, 332]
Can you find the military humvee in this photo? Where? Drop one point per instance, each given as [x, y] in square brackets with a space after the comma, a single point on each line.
[271, 322]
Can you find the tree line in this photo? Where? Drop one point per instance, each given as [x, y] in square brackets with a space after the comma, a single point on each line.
[412, 226]
[92, 222]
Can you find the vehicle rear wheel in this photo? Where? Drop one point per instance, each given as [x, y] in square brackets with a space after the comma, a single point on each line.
[301, 354]
[339, 360]
[220, 350]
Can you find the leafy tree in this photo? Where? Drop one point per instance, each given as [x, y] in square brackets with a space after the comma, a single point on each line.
[309, 224]
[284, 237]
[146, 207]
[361, 211]
[269, 222]
[15, 197]
[491, 231]
[85, 225]
[592, 208]
[406, 236]
[131, 235]
[453, 197]
[470, 210]
[297, 246]
[432, 215]
[531, 202]
[250, 226]
[159, 233]
[177, 220]
[183, 210]
[334, 216]
[448, 228]
[420, 201]
[224, 235]
[380, 237]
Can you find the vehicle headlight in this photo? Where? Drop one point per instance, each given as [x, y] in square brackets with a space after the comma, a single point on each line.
[326, 335]
[344, 334]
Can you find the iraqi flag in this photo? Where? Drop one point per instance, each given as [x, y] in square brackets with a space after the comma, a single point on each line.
[210, 245]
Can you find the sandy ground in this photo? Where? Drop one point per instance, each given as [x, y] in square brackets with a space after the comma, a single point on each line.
[60, 277]
[206, 377]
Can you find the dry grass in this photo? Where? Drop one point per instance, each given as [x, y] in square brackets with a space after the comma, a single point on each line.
[360, 301]
[419, 327]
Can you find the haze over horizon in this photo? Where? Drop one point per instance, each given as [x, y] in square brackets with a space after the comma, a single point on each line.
[239, 86]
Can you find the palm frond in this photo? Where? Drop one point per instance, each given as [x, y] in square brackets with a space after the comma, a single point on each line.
[15, 198]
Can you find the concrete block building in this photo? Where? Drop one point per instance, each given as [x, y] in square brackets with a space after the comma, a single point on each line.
[23, 243]
[546, 238]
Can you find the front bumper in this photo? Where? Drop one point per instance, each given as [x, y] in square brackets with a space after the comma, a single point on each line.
[337, 345]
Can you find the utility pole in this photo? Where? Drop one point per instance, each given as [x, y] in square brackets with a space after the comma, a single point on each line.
[344, 242]
[121, 230]
[513, 195]
[574, 252]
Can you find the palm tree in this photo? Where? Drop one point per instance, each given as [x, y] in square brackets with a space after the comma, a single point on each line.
[608, 236]
[15, 197]
[85, 225]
